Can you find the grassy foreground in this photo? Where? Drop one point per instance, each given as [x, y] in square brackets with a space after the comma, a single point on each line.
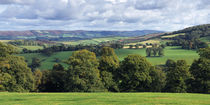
[103, 99]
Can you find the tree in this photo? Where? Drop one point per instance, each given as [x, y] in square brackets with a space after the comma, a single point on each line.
[58, 77]
[137, 46]
[177, 77]
[37, 79]
[17, 77]
[134, 74]
[200, 70]
[35, 63]
[158, 80]
[160, 51]
[155, 51]
[204, 53]
[149, 52]
[108, 65]
[130, 46]
[83, 73]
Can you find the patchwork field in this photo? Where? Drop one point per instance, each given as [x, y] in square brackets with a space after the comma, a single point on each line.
[104, 99]
[173, 35]
[92, 41]
[174, 53]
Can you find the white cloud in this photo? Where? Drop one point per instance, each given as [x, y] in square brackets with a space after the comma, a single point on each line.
[167, 15]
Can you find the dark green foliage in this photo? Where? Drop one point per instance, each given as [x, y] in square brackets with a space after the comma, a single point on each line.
[149, 52]
[36, 62]
[134, 74]
[160, 52]
[108, 81]
[158, 80]
[131, 46]
[137, 46]
[53, 80]
[200, 70]
[177, 76]
[46, 83]
[155, 50]
[83, 73]
[108, 65]
[58, 67]
[204, 53]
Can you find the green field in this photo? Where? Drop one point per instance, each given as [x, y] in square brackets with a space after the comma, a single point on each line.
[48, 62]
[174, 53]
[104, 99]
[31, 47]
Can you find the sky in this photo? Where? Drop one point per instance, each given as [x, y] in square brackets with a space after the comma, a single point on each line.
[164, 15]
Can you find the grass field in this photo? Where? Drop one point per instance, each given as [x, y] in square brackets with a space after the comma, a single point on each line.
[48, 62]
[31, 47]
[174, 53]
[104, 99]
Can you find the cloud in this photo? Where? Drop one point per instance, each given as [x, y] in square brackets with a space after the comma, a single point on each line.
[103, 14]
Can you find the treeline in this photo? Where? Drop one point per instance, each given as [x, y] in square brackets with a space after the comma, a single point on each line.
[26, 43]
[155, 50]
[87, 73]
[58, 48]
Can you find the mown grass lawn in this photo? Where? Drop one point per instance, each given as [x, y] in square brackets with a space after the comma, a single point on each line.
[103, 99]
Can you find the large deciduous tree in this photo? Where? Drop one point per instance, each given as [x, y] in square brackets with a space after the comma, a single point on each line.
[135, 74]
[83, 73]
[200, 70]
[177, 76]
[108, 66]
[15, 75]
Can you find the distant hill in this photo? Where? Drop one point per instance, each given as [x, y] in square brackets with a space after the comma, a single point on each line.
[69, 35]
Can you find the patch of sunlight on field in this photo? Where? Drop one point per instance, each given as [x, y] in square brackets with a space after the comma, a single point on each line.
[5, 41]
[32, 47]
[92, 41]
[173, 35]
[151, 41]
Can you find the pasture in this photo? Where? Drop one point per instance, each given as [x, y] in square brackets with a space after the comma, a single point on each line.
[31, 47]
[47, 62]
[103, 99]
[174, 53]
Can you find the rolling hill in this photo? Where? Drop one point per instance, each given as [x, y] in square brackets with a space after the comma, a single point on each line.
[69, 35]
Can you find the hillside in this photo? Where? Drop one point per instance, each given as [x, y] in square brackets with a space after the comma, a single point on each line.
[69, 35]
